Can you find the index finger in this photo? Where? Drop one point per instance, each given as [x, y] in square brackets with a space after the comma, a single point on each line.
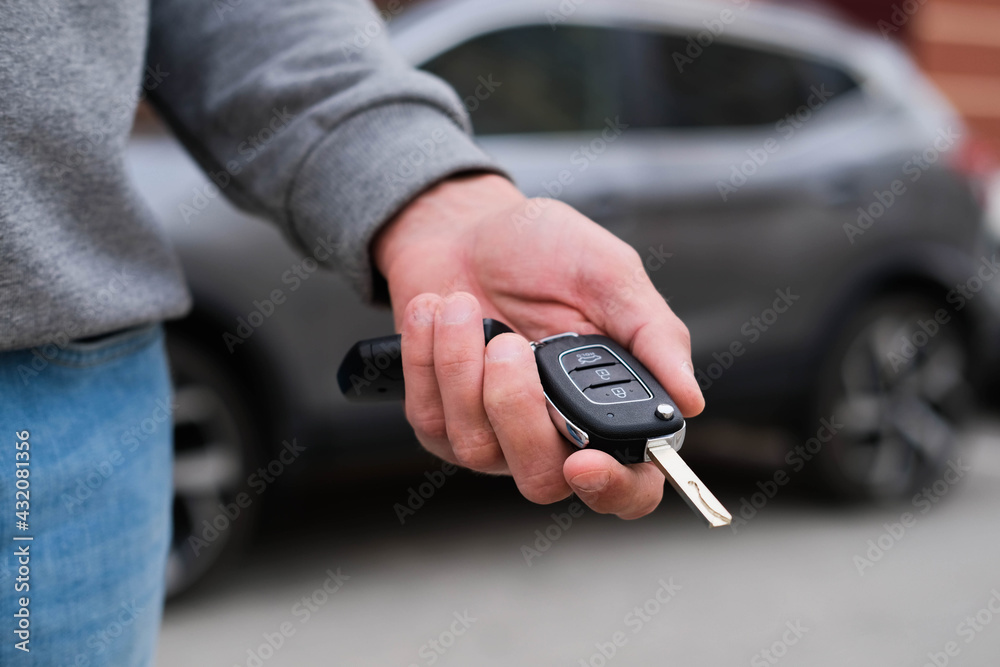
[625, 305]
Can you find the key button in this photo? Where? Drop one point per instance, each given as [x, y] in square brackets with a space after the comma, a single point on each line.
[621, 392]
[595, 377]
[588, 357]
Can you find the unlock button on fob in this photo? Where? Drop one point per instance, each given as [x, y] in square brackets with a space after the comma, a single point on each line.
[622, 392]
[586, 378]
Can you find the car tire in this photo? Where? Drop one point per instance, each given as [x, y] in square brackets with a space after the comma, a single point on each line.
[895, 387]
[215, 449]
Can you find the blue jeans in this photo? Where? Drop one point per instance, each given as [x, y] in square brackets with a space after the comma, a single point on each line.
[94, 493]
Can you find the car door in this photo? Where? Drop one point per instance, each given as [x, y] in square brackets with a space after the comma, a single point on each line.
[742, 164]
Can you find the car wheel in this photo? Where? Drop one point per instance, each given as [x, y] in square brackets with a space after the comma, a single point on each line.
[214, 450]
[896, 387]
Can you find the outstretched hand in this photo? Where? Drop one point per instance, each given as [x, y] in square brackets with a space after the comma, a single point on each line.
[475, 247]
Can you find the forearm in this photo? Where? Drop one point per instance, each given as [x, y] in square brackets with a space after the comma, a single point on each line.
[298, 124]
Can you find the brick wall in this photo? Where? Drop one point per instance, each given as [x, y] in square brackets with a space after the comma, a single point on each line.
[958, 43]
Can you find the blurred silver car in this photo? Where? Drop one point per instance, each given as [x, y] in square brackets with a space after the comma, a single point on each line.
[800, 194]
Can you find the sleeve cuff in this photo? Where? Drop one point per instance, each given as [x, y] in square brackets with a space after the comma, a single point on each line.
[383, 158]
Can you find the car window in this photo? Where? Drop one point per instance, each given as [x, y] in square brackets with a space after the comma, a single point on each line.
[543, 80]
[573, 79]
[723, 85]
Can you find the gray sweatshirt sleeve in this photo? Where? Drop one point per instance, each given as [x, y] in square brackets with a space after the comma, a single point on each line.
[298, 119]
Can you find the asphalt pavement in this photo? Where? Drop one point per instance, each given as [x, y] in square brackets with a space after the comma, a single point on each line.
[476, 577]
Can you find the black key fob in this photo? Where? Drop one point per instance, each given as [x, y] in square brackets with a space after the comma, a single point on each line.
[599, 396]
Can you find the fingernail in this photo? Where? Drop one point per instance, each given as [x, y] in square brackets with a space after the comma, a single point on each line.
[504, 348]
[688, 367]
[591, 481]
[456, 309]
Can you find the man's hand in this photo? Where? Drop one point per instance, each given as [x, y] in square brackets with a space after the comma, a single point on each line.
[475, 247]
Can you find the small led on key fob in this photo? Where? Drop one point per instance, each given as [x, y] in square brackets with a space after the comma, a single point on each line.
[600, 397]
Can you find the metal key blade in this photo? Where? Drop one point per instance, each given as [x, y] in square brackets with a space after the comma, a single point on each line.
[686, 483]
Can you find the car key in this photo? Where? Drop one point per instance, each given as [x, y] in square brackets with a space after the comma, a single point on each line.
[598, 396]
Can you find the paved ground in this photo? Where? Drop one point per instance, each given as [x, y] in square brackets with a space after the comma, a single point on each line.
[452, 587]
